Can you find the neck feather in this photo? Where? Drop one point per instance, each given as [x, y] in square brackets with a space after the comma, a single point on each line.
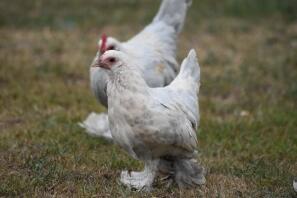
[128, 79]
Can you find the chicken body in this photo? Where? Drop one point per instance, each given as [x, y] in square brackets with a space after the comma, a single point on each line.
[155, 125]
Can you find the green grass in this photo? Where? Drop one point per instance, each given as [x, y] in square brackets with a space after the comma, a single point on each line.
[247, 138]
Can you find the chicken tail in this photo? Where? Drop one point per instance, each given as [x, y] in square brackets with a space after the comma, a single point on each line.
[188, 173]
[190, 67]
[173, 13]
[97, 125]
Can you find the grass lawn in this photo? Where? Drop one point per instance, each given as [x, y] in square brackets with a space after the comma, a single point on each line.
[247, 50]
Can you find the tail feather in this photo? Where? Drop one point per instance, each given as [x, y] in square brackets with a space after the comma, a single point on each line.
[173, 13]
[97, 125]
[190, 67]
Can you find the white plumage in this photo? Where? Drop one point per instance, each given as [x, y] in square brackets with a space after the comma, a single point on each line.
[155, 125]
[95, 123]
[154, 47]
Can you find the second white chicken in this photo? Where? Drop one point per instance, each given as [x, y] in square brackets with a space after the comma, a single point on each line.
[154, 48]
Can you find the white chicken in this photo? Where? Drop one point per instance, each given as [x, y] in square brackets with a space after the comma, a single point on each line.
[154, 47]
[155, 125]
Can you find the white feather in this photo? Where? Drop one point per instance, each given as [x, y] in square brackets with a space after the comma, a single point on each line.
[97, 122]
[295, 185]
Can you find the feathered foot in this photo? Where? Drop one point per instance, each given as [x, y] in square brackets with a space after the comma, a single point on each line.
[189, 173]
[141, 181]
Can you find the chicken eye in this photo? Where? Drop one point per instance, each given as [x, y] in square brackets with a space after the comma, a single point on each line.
[111, 47]
[112, 60]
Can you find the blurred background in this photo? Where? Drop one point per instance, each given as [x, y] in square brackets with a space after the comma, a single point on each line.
[247, 50]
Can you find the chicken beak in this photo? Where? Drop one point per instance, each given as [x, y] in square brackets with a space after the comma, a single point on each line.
[102, 64]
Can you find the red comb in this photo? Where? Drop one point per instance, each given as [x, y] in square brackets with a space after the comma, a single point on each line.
[103, 43]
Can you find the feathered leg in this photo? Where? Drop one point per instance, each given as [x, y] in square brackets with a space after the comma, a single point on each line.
[188, 173]
[141, 180]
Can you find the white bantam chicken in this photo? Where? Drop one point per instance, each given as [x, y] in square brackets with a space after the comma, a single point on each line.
[154, 47]
[155, 125]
